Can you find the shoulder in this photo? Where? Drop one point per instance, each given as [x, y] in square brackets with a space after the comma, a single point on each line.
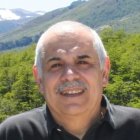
[27, 123]
[128, 112]
[36, 114]
[126, 116]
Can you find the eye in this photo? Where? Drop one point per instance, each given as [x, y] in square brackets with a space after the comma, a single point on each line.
[82, 62]
[56, 66]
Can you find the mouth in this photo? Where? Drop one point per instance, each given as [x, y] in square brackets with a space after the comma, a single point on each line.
[71, 88]
[72, 92]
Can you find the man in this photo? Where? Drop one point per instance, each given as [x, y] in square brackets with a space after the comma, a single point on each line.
[72, 68]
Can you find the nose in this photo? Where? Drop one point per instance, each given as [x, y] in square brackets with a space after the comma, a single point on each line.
[69, 74]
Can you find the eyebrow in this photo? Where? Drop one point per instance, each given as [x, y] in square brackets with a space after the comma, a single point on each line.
[83, 56]
[58, 59]
[54, 59]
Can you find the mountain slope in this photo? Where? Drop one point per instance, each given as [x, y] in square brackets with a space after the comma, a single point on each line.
[11, 19]
[119, 14]
[94, 13]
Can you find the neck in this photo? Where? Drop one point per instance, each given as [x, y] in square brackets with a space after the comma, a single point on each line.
[78, 124]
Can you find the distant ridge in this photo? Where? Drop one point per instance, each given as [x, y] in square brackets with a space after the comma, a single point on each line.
[11, 19]
[117, 14]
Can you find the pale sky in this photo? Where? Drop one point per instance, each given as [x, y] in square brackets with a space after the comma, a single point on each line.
[35, 5]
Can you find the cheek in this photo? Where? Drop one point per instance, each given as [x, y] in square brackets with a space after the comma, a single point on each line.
[92, 76]
[49, 81]
[94, 79]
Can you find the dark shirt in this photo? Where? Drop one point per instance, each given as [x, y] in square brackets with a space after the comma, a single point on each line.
[119, 123]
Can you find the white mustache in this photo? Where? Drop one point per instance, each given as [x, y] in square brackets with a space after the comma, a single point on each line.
[70, 84]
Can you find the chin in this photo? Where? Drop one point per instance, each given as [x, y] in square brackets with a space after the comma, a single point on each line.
[73, 109]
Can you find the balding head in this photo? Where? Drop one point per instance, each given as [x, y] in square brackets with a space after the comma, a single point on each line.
[69, 30]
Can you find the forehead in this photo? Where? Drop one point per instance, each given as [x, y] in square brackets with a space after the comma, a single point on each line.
[68, 41]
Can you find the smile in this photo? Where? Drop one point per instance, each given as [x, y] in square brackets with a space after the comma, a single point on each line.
[72, 93]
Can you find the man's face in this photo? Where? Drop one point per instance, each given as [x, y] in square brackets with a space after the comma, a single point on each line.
[72, 78]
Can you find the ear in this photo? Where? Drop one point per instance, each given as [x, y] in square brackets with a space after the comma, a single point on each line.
[106, 71]
[35, 73]
[37, 78]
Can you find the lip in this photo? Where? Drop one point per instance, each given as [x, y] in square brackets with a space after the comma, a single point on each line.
[72, 92]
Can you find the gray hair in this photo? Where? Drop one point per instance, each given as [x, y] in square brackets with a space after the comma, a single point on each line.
[97, 44]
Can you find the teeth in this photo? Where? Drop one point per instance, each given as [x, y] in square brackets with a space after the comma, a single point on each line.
[72, 92]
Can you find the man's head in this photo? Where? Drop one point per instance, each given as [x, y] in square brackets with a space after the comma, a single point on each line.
[62, 27]
[71, 68]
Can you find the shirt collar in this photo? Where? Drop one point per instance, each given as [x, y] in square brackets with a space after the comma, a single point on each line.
[51, 124]
[109, 113]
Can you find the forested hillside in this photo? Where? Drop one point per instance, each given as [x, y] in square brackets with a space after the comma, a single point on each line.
[18, 91]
